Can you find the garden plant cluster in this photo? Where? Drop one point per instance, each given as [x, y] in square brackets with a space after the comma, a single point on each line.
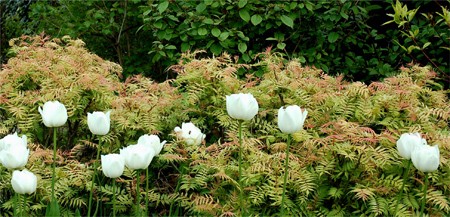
[77, 140]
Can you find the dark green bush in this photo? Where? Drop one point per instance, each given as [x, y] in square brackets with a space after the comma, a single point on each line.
[340, 37]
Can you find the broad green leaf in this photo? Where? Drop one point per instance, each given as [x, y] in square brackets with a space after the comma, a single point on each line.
[244, 15]
[202, 31]
[302, 59]
[309, 6]
[158, 24]
[242, 3]
[287, 21]
[256, 19]
[171, 47]
[208, 21]
[200, 7]
[216, 49]
[223, 36]
[344, 15]
[215, 32]
[163, 6]
[426, 45]
[332, 37]
[184, 47]
[281, 45]
[242, 47]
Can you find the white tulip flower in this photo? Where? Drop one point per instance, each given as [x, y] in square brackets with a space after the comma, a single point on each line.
[242, 106]
[99, 122]
[14, 157]
[137, 156]
[12, 140]
[407, 143]
[153, 141]
[191, 134]
[291, 119]
[54, 114]
[113, 165]
[425, 158]
[24, 182]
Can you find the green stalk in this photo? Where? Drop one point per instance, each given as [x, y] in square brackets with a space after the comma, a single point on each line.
[54, 164]
[25, 202]
[138, 192]
[422, 208]
[286, 172]
[177, 187]
[15, 204]
[93, 179]
[405, 176]
[240, 169]
[114, 197]
[146, 191]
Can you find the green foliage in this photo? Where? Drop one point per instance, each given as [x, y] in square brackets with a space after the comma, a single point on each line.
[339, 37]
[109, 28]
[343, 163]
[425, 39]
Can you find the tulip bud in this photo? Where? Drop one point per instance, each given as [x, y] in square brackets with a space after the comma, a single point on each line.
[54, 114]
[153, 141]
[24, 182]
[137, 156]
[291, 119]
[425, 158]
[99, 122]
[190, 133]
[12, 140]
[242, 106]
[14, 157]
[407, 143]
[113, 165]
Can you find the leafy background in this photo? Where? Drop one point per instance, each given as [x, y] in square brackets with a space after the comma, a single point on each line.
[340, 37]
[367, 71]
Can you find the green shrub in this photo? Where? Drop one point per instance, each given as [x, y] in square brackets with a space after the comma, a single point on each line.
[343, 163]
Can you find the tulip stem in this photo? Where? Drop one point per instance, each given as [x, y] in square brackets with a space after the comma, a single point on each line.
[54, 164]
[286, 172]
[240, 169]
[114, 197]
[138, 193]
[93, 179]
[15, 204]
[177, 188]
[405, 176]
[422, 208]
[25, 203]
[146, 192]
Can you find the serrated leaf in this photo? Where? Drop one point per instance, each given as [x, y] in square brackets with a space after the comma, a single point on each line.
[242, 47]
[244, 15]
[242, 3]
[332, 37]
[256, 19]
[215, 32]
[287, 21]
[163, 6]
